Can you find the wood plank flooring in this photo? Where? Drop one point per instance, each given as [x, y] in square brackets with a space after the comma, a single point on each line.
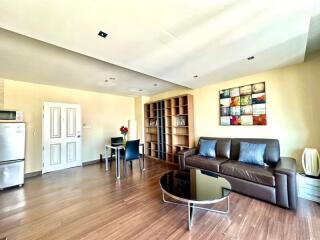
[88, 203]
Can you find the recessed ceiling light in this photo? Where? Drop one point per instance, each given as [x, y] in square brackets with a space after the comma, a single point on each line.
[108, 83]
[136, 90]
[195, 76]
[250, 58]
[102, 34]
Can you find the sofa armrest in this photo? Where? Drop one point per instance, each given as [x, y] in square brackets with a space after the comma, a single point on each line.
[286, 185]
[182, 155]
[286, 166]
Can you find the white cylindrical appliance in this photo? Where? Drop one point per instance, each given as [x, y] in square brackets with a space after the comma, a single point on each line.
[311, 162]
[132, 126]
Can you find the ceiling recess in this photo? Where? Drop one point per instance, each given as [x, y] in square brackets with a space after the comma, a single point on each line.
[102, 34]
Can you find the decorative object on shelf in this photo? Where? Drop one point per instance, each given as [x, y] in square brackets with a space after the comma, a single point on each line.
[181, 121]
[244, 105]
[153, 123]
[311, 162]
[124, 131]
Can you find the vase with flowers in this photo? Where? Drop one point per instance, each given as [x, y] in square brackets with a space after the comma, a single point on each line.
[124, 131]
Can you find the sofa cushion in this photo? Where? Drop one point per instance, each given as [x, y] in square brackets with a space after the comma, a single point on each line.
[252, 153]
[271, 154]
[223, 146]
[207, 148]
[252, 173]
[205, 163]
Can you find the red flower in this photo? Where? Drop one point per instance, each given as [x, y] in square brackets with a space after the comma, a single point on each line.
[124, 130]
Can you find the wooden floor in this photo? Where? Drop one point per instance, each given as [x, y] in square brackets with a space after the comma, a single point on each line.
[88, 203]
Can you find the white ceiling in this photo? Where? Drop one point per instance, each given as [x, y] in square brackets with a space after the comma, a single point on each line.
[314, 32]
[30, 60]
[167, 39]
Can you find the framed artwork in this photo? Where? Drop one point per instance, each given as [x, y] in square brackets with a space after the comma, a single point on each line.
[244, 105]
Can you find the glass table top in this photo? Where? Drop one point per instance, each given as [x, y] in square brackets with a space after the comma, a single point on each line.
[195, 185]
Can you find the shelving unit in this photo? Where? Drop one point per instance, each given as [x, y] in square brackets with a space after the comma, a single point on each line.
[174, 127]
[161, 130]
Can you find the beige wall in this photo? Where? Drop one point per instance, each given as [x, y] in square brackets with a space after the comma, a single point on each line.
[1, 92]
[103, 115]
[293, 107]
[139, 114]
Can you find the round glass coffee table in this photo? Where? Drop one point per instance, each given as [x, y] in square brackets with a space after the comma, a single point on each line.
[195, 187]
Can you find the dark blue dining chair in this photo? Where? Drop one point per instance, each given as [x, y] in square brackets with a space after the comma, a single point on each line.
[131, 153]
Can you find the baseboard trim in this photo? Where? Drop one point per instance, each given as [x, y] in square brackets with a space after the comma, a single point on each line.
[39, 173]
[92, 162]
[32, 174]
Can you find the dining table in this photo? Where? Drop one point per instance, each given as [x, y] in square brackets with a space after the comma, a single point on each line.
[117, 148]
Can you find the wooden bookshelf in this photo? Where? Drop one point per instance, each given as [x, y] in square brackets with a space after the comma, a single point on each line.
[154, 129]
[169, 127]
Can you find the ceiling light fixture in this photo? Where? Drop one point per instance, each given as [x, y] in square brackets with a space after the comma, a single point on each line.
[136, 90]
[103, 34]
[250, 58]
[108, 83]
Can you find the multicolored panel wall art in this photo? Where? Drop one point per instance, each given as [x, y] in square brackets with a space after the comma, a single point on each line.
[244, 105]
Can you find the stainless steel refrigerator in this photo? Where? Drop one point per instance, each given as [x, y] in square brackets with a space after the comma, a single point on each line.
[12, 153]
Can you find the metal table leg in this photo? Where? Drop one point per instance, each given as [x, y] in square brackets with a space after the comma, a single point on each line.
[118, 163]
[143, 168]
[192, 207]
[190, 215]
[106, 158]
[110, 157]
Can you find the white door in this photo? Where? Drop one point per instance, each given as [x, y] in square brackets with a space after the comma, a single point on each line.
[61, 136]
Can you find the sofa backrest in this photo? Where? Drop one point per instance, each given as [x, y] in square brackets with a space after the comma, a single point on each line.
[230, 148]
[271, 154]
[223, 146]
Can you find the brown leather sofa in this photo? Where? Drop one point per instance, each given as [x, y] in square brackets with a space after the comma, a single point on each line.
[275, 183]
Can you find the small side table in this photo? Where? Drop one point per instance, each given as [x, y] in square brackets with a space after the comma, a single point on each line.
[308, 187]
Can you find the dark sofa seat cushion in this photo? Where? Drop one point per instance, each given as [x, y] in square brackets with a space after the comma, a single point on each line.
[206, 163]
[256, 174]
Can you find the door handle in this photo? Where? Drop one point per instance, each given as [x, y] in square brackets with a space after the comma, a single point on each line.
[78, 136]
